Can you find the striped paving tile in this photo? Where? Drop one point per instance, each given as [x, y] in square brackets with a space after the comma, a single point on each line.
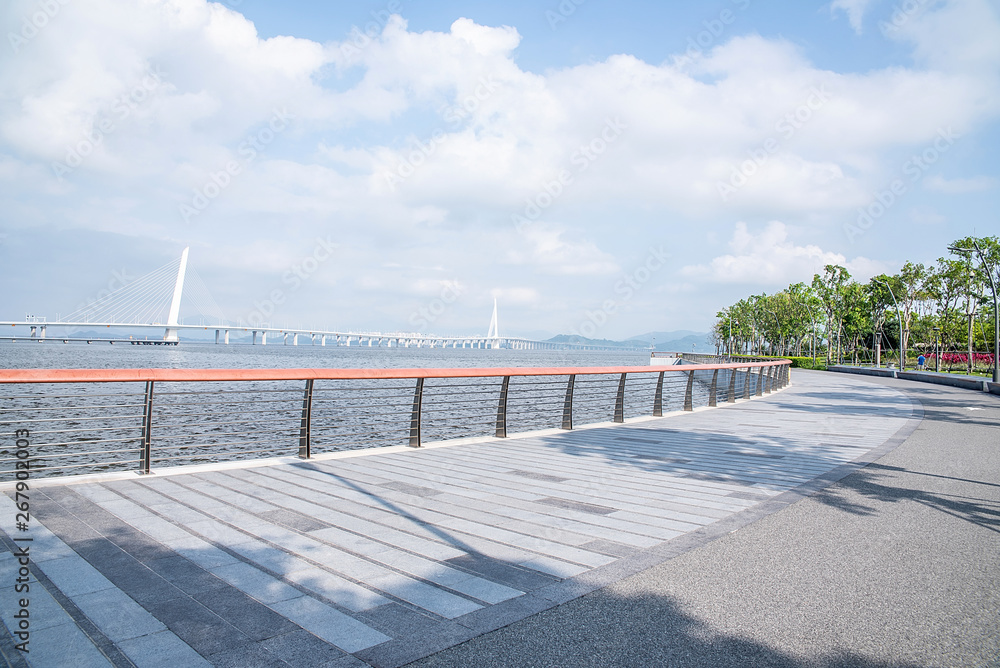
[383, 558]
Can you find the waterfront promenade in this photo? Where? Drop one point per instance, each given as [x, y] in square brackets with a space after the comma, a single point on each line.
[386, 557]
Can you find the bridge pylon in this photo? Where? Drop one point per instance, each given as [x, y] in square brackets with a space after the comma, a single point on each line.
[494, 332]
[175, 303]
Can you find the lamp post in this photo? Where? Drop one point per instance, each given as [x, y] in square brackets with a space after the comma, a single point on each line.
[899, 317]
[996, 312]
[937, 349]
[731, 337]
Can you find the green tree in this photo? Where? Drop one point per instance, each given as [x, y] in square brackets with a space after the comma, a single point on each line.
[829, 289]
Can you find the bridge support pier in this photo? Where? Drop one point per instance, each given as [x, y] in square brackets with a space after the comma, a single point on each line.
[263, 338]
[227, 337]
[322, 340]
[253, 341]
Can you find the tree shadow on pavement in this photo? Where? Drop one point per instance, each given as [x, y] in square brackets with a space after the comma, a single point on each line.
[606, 629]
[875, 482]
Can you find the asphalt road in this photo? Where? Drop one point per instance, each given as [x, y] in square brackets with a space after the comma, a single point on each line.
[897, 565]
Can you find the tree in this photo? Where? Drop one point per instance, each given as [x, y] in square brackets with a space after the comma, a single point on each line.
[912, 277]
[830, 290]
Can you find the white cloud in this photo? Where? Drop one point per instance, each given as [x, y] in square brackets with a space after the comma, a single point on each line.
[545, 247]
[770, 258]
[360, 113]
[515, 295]
[855, 10]
[960, 186]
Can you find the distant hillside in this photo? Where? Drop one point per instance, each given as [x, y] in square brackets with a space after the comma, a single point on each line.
[665, 336]
[575, 338]
[678, 341]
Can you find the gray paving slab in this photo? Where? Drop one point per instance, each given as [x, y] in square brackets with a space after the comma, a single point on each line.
[256, 583]
[117, 615]
[331, 625]
[161, 650]
[304, 650]
[345, 593]
[74, 576]
[64, 645]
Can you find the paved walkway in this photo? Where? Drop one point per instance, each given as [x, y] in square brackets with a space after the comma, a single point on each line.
[896, 566]
[386, 558]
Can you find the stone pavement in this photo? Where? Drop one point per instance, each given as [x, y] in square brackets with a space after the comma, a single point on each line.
[896, 565]
[381, 559]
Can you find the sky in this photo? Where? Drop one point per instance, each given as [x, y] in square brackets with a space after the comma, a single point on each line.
[598, 168]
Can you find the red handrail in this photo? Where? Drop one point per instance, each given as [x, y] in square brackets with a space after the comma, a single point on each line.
[194, 375]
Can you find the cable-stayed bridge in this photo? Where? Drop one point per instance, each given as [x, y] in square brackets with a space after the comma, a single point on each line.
[153, 302]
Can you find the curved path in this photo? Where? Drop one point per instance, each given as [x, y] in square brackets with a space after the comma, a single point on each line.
[603, 546]
[895, 565]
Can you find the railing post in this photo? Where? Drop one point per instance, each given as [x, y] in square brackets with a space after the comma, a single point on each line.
[658, 397]
[147, 427]
[746, 383]
[731, 398]
[567, 421]
[767, 380]
[688, 398]
[713, 388]
[418, 398]
[305, 425]
[620, 400]
[760, 379]
[502, 409]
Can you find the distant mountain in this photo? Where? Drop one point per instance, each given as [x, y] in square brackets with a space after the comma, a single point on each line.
[577, 339]
[678, 341]
[665, 336]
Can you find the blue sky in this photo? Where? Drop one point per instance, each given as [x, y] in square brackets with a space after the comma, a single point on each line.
[596, 174]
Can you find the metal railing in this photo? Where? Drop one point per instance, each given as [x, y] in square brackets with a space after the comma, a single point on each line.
[66, 421]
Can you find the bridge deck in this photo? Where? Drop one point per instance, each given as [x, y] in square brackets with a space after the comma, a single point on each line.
[384, 558]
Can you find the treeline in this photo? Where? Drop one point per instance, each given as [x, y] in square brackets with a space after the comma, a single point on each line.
[949, 303]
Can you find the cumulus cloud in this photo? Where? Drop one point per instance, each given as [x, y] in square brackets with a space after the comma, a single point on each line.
[546, 248]
[855, 10]
[433, 140]
[770, 258]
